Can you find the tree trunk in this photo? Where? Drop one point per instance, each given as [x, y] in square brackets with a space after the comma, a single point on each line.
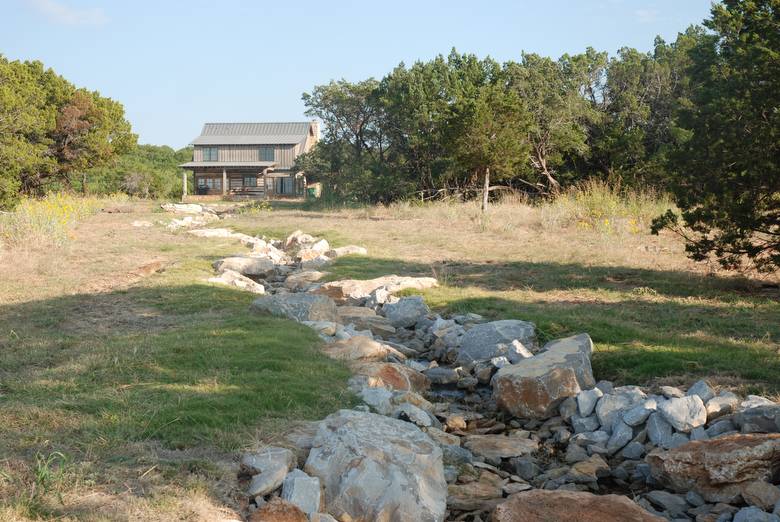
[84, 183]
[485, 190]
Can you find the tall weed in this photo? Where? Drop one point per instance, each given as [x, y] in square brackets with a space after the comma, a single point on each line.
[597, 206]
[49, 220]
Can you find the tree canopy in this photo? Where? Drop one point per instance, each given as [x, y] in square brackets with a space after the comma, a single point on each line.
[727, 163]
[50, 131]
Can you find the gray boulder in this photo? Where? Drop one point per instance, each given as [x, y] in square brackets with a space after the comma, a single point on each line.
[300, 307]
[374, 467]
[761, 419]
[406, 311]
[684, 413]
[702, 389]
[658, 430]
[723, 404]
[587, 399]
[487, 340]
[638, 414]
[534, 387]
[754, 514]
[612, 404]
[302, 490]
[268, 467]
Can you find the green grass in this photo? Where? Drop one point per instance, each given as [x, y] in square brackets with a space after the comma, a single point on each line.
[646, 324]
[172, 362]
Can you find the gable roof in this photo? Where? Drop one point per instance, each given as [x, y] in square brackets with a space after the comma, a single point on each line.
[253, 133]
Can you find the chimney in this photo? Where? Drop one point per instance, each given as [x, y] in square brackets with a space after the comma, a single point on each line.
[315, 129]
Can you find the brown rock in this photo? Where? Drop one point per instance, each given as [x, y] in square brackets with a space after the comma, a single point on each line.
[360, 348]
[534, 387]
[366, 319]
[540, 505]
[761, 494]
[391, 375]
[278, 510]
[719, 468]
[499, 446]
[484, 493]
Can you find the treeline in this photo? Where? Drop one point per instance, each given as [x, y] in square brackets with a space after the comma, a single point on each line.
[536, 124]
[698, 117]
[55, 136]
[146, 171]
[51, 131]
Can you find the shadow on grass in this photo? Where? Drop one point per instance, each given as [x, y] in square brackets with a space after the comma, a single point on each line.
[547, 276]
[646, 323]
[640, 340]
[210, 373]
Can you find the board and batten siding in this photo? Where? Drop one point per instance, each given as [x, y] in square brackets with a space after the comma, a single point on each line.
[284, 155]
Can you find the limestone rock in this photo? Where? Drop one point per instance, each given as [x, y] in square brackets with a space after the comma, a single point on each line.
[684, 413]
[349, 250]
[406, 311]
[702, 389]
[481, 494]
[374, 467]
[540, 505]
[211, 232]
[268, 468]
[183, 208]
[761, 419]
[299, 281]
[496, 447]
[533, 388]
[717, 468]
[359, 348]
[300, 307]
[720, 405]
[754, 514]
[587, 399]
[365, 319]
[246, 265]
[356, 291]
[233, 278]
[612, 404]
[302, 490]
[761, 493]
[392, 376]
[487, 340]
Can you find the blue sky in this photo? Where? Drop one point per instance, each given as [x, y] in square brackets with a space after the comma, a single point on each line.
[176, 64]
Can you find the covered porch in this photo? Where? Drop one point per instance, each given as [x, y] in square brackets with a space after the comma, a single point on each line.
[257, 180]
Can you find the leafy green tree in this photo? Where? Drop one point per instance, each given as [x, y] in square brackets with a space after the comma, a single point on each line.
[147, 171]
[50, 131]
[726, 171]
[552, 93]
[492, 135]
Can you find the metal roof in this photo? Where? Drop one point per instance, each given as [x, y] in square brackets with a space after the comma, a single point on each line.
[221, 164]
[253, 133]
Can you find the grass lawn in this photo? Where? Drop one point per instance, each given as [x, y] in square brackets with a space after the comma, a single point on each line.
[132, 402]
[654, 315]
[127, 394]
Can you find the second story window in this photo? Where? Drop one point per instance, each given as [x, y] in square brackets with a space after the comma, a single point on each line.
[266, 153]
[210, 154]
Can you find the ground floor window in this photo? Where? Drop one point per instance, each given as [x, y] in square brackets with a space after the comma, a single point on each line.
[250, 181]
[210, 183]
[284, 185]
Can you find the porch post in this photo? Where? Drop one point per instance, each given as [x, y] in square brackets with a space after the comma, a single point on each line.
[183, 185]
[224, 182]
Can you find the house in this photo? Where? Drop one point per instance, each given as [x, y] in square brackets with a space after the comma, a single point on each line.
[252, 160]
